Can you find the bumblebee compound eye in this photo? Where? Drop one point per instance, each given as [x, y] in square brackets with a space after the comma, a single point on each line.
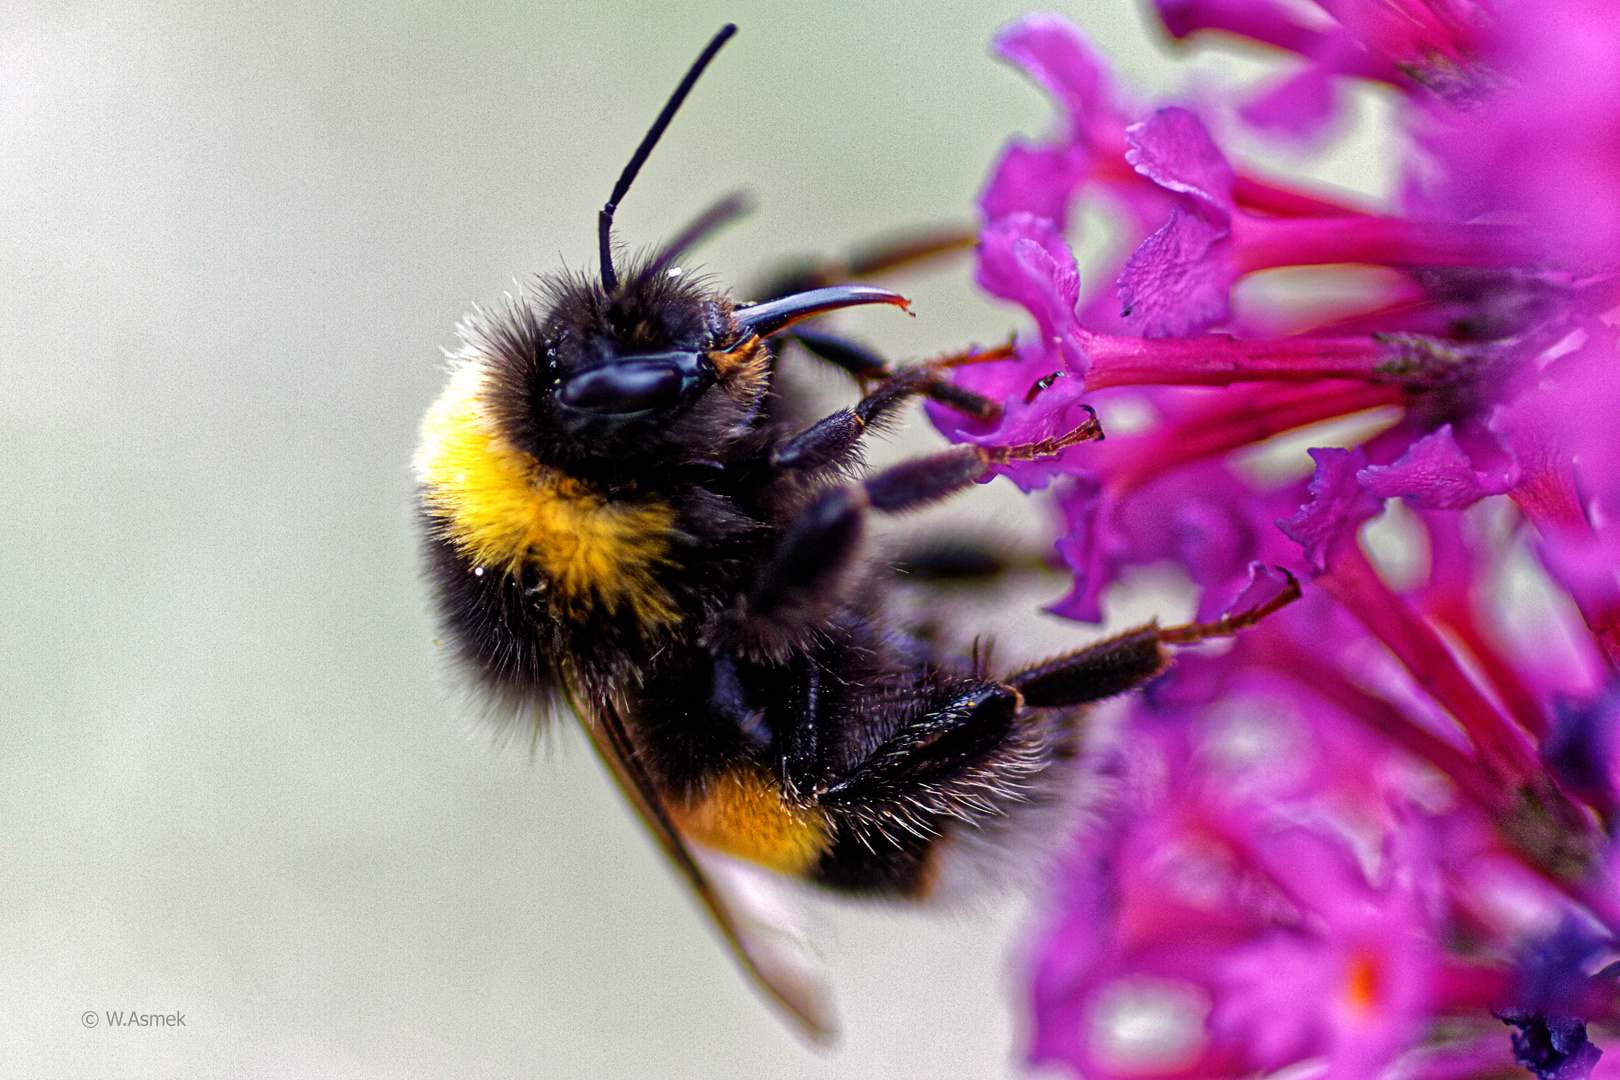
[635, 384]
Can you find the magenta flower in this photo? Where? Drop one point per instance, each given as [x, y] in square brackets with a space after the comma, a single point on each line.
[1564, 433]
[1366, 960]
[1265, 939]
[1436, 474]
[1179, 280]
[1542, 142]
[1201, 516]
[1409, 45]
[1375, 834]
[1044, 179]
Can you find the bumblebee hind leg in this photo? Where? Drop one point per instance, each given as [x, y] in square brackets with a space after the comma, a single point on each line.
[990, 759]
[965, 763]
[1096, 672]
[1120, 663]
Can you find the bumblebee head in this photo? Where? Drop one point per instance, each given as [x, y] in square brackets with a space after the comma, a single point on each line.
[636, 358]
[661, 371]
[576, 376]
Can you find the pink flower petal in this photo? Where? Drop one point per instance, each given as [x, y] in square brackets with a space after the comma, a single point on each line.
[1338, 506]
[1173, 149]
[1179, 280]
[1297, 108]
[1039, 180]
[1435, 474]
[1057, 55]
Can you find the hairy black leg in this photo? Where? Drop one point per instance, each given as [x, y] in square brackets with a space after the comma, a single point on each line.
[1095, 672]
[1131, 659]
[855, 358]
[965, 560]
[1231, 624]
[821, 539]
[967, 755]
[933, 569]
[933, 749]
[817, 543]
[832, 440]
[927, 378]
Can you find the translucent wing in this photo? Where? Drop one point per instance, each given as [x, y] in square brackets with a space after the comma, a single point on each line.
[747, 907]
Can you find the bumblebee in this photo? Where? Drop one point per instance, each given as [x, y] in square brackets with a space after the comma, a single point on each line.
[622, 515]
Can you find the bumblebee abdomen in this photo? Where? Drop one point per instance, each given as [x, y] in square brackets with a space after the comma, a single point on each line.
[743, 812]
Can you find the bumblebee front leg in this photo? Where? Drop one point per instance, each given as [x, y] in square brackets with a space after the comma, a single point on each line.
[927, 378]
[820, 540]
[831, 441]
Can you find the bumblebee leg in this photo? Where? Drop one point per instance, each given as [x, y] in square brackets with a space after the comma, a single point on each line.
[931, 752]
[965, 560]
[1120, 663]
[832, 440]
[1095, 672]
[927, 378]
[969, 759]
[859, 361]
[1231, 624]
[723, 213]
[937, 570]
[822, 538]
[892, 254]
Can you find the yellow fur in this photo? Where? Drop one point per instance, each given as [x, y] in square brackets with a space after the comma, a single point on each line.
[744, 814]
[503, 511]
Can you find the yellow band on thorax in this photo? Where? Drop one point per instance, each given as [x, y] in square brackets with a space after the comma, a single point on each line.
[502, 510]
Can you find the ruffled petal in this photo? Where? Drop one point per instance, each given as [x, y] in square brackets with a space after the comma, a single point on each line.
[1435, 474]
[1338, 506]
[1179, 280]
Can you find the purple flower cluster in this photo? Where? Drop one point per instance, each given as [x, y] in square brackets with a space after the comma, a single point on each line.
[1374, 836]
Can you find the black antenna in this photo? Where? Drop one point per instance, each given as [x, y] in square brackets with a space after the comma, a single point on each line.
[604, 221]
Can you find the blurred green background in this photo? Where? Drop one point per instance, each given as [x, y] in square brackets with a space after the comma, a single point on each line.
[237, 782]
